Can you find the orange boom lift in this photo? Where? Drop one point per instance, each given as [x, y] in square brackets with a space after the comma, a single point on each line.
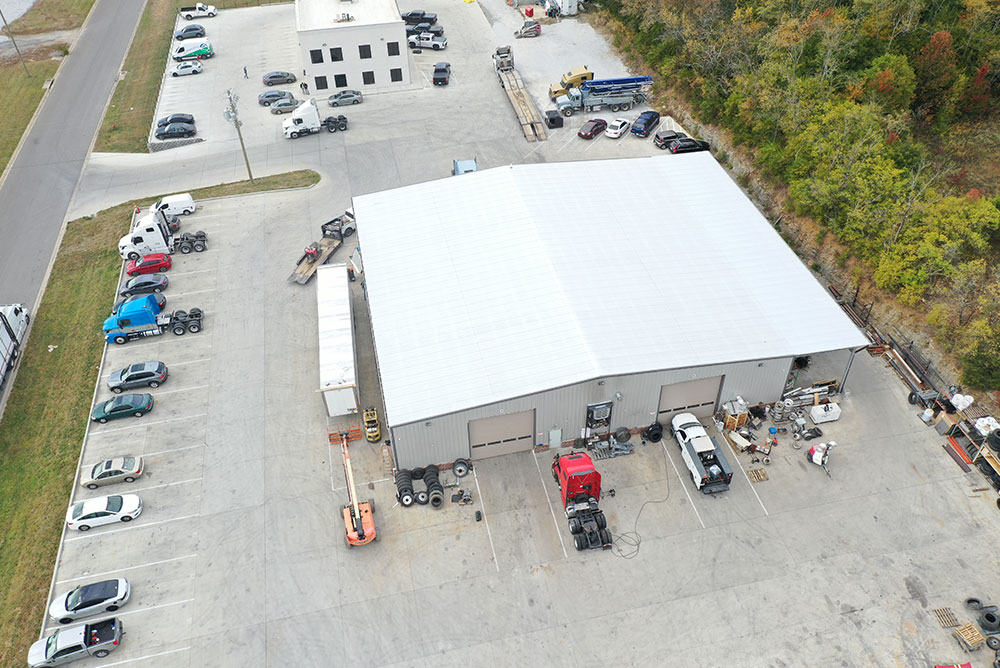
[359, 517]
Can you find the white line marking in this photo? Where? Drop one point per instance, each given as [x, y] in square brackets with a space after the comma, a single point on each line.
[181, 389]
[167, 452]
[168, 484]
[750, 483]
[683, 484]
[486, 519]
[551, 509]
[143, 423]
[369, 482]
[129, 568]
[187, 273]
[202, 359]
[148, 656]
[87, 534]
[196, 292]
[153, 607]
[329, 457]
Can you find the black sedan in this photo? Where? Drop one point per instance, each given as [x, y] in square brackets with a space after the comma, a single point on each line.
[415, 16]
[688, 145]
[592, 128]
[189, 31]
[175, 118]
[176, 131]
[275, 78]
[143, 284]
[435, 30]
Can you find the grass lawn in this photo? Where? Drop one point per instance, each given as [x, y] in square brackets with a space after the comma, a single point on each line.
[46, 15]
[126, 125]
[46, 415]
[21, 97]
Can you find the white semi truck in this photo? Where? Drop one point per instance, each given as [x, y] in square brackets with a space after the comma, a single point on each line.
[152, 235]
[306, 120]
[14, 320]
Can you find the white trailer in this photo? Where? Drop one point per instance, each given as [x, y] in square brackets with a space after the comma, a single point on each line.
[14, 321]
[337, 380]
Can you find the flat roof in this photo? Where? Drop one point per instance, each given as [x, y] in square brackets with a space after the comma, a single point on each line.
[520, 279]
[320, 14]
[336, 332]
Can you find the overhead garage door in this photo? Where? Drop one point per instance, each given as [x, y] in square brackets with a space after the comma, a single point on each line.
[694, 396]
[502, 435]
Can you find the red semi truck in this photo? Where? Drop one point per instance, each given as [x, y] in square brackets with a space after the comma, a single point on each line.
[580, 488]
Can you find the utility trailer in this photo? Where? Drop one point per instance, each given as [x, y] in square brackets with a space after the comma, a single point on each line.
[580, 488]
[319, 252]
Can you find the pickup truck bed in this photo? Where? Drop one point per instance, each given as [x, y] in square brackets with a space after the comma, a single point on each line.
[101, 632]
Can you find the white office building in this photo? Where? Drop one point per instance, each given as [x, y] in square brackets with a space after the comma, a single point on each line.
[359, 45]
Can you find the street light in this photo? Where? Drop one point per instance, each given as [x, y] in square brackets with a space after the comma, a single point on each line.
[232, 115]
[11, 35]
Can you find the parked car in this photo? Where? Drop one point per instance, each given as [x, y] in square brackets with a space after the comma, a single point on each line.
[90, 599]
[285, 105]
[151, 264]
[185, 68]
[688, 145]
[343, 97]
[143, 284]
[175, 118]
[189, 31]
[662, 138]
[418, 16]
[269, 97]
[427, 41]
[436, 30]
[176, 131]
[646, 123]
[85, 515]
[592, 128]
[161, 302]
[275, 78]
[142, 374]
[110, 471]
[442, 74]
[121, 406]
[617, 128]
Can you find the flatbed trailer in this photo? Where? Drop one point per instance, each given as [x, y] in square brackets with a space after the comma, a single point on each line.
[306, 268]
[524, 108]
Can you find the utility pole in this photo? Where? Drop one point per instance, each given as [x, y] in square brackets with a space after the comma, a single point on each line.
[11, 35]
[232, 115]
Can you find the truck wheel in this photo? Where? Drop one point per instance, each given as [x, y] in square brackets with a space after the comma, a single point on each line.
[436, 47]
[461, 467]
[348, 232]
[331, 127]
[567, 112]
[120, 340]
[626, 106]
[580, 542]
[185, 248]
[133, 256]
[614, 107]
[602, 521]
[188, 16]
[575, 526]
[199, 246]
[341, 126]
[194, 327]
[605, 536]
[179, 331]
[294, 135]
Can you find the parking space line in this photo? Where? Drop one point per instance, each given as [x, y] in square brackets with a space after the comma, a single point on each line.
[363, 483]
[128, 568]
[752, 489]
[197, 361]
[146, 424]
[168, 484]
[683, 484]
[196, 292]
[486, 519]
[154, 607]
[188, 273]
[148, 656]
[551, 509]
[87, 534]
[182, 389]
[167, 452]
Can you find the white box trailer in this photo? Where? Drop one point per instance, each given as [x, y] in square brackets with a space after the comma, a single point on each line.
[336, 341]
[14, 321]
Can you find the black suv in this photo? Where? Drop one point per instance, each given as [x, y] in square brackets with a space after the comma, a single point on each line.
[645, 123]
[662, 138]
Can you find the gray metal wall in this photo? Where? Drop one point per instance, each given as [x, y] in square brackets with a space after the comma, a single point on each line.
[443, 439]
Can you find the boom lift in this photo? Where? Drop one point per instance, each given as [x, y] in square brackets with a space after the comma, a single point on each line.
[359, 516]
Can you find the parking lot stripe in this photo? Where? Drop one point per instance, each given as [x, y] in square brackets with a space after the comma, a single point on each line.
[154, 607]
[486, 519]
[146, 424]
[752, 488]
[168, 484]
[188, 273]
[128, 568]
[196, 292]
[683, 484]
[182, 389]
[197, 361]
[166, 452]
[148, 656]
[87, 534]
[369, 482]
[551, 509]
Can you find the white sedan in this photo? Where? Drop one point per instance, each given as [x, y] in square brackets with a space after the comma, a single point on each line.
[189, 67]
[103, 510]
[617, 128]
[91, 599]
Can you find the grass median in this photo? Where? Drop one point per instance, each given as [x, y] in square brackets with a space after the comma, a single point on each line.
[46, 414]
[22, 95]
[126, 124]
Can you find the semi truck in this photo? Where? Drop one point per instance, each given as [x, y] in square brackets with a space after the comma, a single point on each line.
[153, 236]
[77, 642]
[14, 320]
[571, 79]
[142, 317]
[306, 120]
[616, 94]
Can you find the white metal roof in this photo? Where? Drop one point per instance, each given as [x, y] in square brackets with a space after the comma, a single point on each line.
[336, 334]
[321, 14]
[514, 280]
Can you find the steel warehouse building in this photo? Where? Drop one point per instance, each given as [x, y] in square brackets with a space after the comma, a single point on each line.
[524, 298]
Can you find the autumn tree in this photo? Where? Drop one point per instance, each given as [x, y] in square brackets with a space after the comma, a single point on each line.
[890, 83]
[936, 67]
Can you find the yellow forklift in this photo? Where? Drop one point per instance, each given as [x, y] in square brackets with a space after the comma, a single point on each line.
[372, 430]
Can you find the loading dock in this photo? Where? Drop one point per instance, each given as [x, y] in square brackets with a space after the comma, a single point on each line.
[698, 397]
[501, 435]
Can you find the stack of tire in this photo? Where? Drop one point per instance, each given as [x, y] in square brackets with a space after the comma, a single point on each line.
[433, 492]
[404, 487]
[653, 433]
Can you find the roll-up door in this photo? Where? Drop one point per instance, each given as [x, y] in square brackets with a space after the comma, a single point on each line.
[694, 396]
[502, 435]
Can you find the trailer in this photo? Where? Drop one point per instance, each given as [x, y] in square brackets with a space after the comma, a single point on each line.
[524, 108]
[319, 252]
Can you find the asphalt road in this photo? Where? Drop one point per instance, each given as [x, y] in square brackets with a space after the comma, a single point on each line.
[40, 184]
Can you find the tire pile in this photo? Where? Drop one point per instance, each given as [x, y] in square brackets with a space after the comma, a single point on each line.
[433, 492]
[653, 433]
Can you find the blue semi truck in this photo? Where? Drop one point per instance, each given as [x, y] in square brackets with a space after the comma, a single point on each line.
[142, 317]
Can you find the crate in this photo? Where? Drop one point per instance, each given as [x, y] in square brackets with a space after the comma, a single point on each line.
[969, 637]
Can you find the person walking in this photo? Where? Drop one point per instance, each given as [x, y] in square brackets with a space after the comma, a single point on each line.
[305, 88]
[245, 75]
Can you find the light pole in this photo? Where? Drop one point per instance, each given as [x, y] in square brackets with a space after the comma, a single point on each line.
[232, 115]
[11, 35]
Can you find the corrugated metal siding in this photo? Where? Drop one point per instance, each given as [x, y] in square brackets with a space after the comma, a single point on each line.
[443, 439]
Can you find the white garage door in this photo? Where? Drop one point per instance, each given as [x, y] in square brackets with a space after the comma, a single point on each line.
[502, 435]
[695, 396]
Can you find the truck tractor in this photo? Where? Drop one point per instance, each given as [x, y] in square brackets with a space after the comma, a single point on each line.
[306, 120]
[142, 317]
[14, 320]
[580, 488]
[153, 236]
[571, 79]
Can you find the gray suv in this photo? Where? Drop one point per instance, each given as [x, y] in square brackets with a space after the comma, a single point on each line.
[143, 374]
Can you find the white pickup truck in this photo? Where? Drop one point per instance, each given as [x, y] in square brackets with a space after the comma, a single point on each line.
[197, 10]
[425, 40]
[77, 642]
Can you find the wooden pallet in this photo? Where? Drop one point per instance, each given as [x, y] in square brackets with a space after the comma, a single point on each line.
[527, 114]
[946, 618]
[969, 637]
[757, 475]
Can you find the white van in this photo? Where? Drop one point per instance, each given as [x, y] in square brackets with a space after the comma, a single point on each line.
[176, 205]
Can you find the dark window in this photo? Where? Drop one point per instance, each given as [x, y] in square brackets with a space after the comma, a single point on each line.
[340, 80]
[368, 78]
[336, 54]
[316, 55]
[365, 50]
[321, 83]
[396, 74]
[393, 48]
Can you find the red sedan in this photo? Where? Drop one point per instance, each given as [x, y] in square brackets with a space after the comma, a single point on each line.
[592, 128]
[149, 264]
